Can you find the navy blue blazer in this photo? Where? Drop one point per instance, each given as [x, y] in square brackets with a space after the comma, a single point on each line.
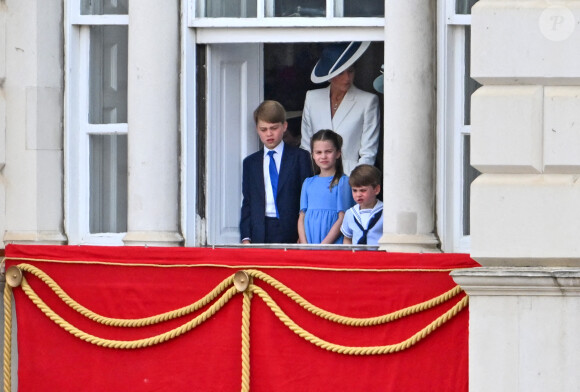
[295, 167]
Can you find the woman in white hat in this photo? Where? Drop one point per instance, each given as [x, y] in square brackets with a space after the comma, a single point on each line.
[350, 112]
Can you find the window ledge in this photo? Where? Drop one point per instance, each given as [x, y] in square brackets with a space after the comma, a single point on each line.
[278, 34]
[287, 22]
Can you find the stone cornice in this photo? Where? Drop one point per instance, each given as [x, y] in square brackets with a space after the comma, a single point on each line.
[513, 281]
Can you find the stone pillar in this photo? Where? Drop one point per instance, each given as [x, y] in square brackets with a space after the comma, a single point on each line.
[153, 120]
[409, 118]
[523, 328]
[525, 210]
[31, 118]
[526, 133]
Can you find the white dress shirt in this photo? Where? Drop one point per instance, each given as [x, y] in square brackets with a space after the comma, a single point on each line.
[270, 204]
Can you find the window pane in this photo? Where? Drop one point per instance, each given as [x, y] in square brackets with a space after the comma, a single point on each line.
[303, 8]
[291, 8]
[104, 7]
[358, 8]
[108, 75]
[108, 182]
[230, 8]
[464, 6]
[469, 174]
[470, 84]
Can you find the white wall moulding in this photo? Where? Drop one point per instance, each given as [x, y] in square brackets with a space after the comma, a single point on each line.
[526, 220]
[35, 237]
[561, 130]
[519, 281]
[506, 129]
[522, 324]
[542, 45]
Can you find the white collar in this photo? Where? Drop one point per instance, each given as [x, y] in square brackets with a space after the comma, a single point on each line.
[378, 207]
[279, 149]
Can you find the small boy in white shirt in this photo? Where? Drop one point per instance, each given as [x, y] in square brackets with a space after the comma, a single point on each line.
[363, 223]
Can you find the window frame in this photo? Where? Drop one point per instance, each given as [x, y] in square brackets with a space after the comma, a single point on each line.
[208, 31]
[284, 29]
[77, 131]
[451, 128]
[264, 17]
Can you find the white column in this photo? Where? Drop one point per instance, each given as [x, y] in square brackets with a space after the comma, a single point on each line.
[153, 117]
[31, 121]
[409, 118]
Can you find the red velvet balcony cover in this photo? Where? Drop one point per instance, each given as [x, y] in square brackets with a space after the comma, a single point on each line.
[134, 282]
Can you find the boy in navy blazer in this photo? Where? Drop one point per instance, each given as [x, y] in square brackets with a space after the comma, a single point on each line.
[272, 180]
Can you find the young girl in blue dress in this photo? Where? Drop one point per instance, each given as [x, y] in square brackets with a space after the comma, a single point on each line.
[326, 196]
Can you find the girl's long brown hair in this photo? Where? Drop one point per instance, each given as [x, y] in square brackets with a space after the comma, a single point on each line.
[336, 140]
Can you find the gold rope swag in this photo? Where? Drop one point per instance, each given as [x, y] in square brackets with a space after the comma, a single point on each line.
[241, 282]
[7, 337]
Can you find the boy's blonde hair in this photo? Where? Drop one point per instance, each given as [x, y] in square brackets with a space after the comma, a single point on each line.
[270, 112]
[365, 175]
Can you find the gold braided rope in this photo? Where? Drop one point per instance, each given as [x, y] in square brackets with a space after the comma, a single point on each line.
[351, 350]
[354, 321]
[214, 308]
[7, 337]
[116, 322]
[127, 344]
[246, 307]
[344, 320]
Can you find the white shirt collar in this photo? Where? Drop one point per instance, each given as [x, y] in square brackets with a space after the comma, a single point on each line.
[279, 149]
[378, 206]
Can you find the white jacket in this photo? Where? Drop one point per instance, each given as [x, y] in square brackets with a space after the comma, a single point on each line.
[357, 120]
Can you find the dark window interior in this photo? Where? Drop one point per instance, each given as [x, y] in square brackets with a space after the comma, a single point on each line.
[287, 69]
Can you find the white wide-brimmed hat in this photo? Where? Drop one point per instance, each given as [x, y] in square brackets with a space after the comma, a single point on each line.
[336, 58]
[379, 81]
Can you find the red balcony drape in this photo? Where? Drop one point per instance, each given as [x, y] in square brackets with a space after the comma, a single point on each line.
[134, 282]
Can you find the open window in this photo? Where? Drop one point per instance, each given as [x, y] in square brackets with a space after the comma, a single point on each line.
[239, 77]
[252, 58]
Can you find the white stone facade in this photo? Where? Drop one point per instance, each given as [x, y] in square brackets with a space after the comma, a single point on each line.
[39, 172]
[522, 328]
[31, 114]
[525, 209]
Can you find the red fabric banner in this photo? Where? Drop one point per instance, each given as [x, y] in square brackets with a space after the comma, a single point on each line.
[134, 282]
